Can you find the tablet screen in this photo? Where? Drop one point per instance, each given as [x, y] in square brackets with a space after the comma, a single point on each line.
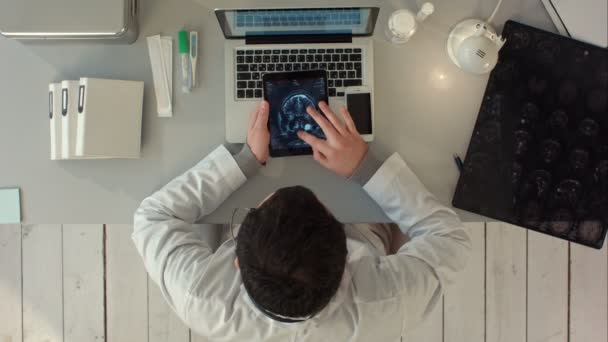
[288, 95]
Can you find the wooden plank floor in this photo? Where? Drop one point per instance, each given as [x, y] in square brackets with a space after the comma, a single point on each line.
[87, 283]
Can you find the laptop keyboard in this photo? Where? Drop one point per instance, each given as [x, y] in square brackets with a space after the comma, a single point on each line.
[344, 67]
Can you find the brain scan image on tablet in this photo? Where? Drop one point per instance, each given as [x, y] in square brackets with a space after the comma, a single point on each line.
[289, 95]
[293, 118]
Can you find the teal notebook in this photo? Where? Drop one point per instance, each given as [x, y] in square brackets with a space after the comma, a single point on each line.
[10, 206]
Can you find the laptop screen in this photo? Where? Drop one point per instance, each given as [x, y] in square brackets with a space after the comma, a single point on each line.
[241, 23]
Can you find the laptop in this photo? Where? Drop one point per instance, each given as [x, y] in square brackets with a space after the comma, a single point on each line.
[263, 40]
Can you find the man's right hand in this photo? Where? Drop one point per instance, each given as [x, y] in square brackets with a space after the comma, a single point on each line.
[258, 136]
[344, 149]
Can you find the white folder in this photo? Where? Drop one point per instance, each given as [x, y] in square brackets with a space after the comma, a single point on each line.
[585, 20]
[55, 120]
[160, 50]
[69, 125]
[109, 116]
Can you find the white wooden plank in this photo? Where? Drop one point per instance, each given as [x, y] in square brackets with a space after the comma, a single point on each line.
[196, 338]
[588, 294]
[83, 283]
[10, 283]
[505, 283]
[547, 288]
[465, 300]
[126, 288]
[429, 330]
[42, 283]
[163, 323]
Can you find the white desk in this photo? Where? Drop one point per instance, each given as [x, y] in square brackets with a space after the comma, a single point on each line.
[425, 110]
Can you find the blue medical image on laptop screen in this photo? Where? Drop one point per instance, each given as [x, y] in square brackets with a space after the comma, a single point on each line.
[272, 22]
[288, 100]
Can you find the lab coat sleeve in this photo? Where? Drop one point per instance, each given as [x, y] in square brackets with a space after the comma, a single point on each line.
[438, 248]
[172, 250]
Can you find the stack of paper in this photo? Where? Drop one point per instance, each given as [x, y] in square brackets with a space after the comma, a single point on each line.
[10, 206]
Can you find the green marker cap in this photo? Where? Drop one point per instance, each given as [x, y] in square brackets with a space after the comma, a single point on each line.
[183, 39]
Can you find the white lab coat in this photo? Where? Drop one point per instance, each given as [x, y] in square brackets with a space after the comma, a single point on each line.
[379, 299]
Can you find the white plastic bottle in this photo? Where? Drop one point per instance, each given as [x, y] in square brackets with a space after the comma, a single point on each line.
[403, 24]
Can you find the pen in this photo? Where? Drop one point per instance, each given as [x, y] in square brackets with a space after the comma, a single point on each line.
[193, 56]
[458, 162]
[184, 51]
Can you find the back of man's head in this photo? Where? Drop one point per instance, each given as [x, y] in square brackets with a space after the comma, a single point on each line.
[292, 253]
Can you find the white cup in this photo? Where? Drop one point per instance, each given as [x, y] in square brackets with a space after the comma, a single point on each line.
[402, 24]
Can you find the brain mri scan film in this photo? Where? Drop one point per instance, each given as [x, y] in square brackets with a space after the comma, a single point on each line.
[289, 95]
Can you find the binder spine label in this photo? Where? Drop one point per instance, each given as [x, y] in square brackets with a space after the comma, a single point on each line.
[64, 102]
[50, 104]
[81, 99]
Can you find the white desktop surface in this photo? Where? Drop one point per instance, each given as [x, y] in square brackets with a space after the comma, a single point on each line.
[425, 110]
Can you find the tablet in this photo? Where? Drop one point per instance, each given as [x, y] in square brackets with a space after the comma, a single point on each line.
[288, 95]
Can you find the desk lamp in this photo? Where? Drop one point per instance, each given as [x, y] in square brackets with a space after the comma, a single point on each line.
[473, 45]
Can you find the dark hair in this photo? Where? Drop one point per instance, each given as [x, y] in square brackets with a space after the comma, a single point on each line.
[292, 253]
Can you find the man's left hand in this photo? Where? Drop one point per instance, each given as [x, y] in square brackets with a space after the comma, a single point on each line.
[344, 149]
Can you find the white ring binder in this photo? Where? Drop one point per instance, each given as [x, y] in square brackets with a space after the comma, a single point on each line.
[101, 119]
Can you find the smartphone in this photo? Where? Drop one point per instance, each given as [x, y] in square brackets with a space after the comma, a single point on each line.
[359, 102]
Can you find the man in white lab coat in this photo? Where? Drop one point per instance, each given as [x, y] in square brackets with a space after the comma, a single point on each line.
[293, 272]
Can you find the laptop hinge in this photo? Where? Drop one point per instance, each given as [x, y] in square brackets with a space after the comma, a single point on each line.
[299, 39]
